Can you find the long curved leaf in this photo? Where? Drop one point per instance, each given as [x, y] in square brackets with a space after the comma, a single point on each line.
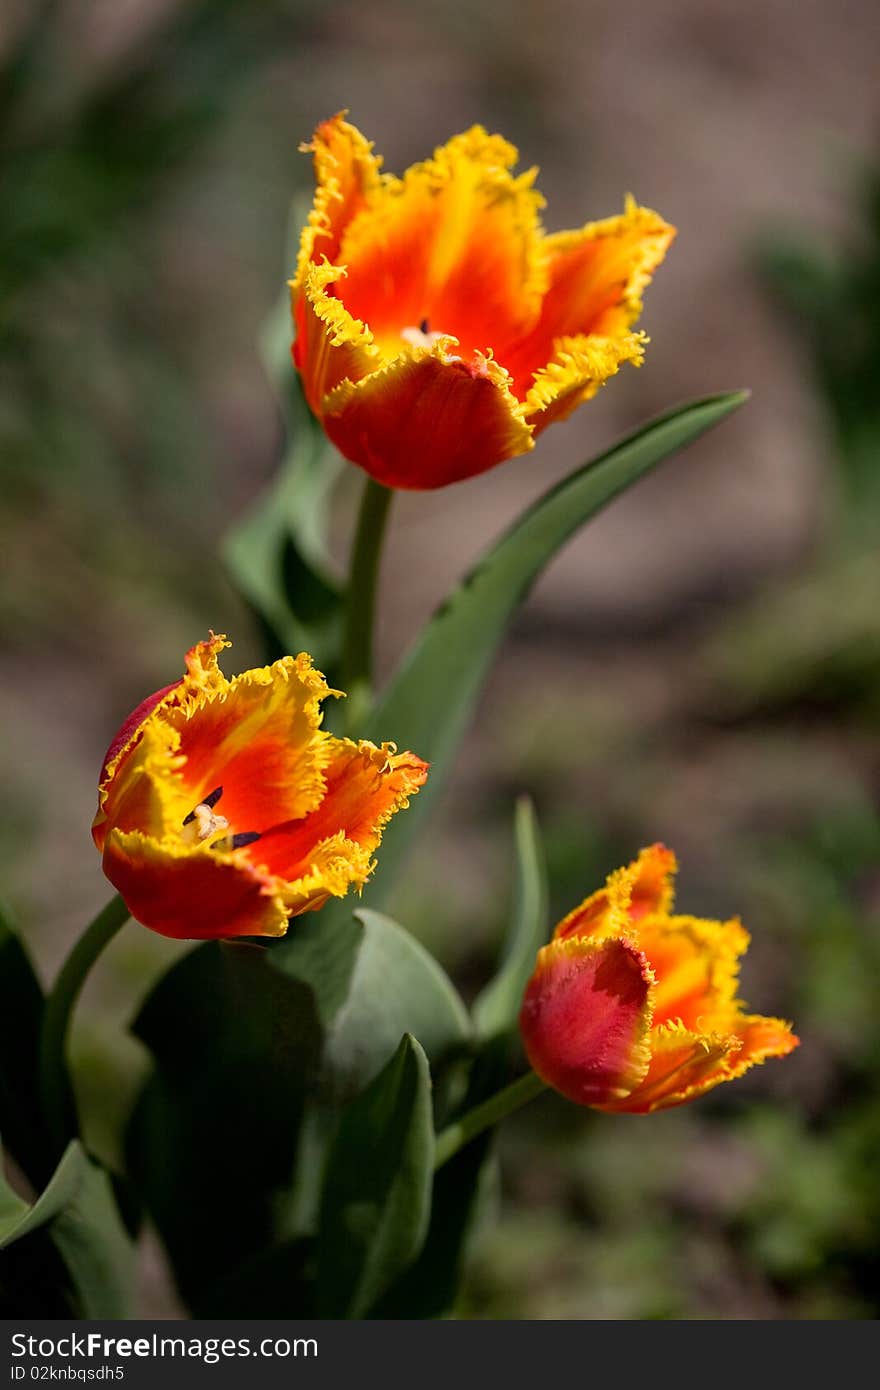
[377, 1191]
[79, 1213]
[429, 702]
[495, 1009]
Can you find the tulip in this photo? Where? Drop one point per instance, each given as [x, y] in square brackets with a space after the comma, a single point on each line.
[632, 1008]
[438, 329]
[224, 809]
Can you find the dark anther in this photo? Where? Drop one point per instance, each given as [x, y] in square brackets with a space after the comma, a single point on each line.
[245, 837]
[425, 327]
[210, 800]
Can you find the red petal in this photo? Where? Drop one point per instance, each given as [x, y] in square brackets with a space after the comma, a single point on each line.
[423, 422]
[191, 895]
[585, 1018]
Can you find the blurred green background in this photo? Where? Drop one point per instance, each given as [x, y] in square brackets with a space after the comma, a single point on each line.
[701, 666]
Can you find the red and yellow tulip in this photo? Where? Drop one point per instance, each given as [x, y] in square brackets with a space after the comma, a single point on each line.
[438, 329]
[634, 1009]
[224, 808]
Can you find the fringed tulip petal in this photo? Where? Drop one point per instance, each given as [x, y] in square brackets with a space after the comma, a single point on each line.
[686, 1064]
[192, 895]
[585, 1018]
[456, 243]
[142, 790]
[364, 787]
[644, 887]
[334, 866]
[683, 1065]
[437, 329]
[762, 1038]
[225, 808]
[597, 276]
[260, 740]
[426, 419]
[331, 346]
[126, 734]
[346, 176]
[697, 967]
[578, 368]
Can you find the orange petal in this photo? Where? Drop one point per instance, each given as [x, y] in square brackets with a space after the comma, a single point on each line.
[331, 868]
[192, 894]
[579, 367]
[259, 738]
[126, 787]
[427, 419]
[597, 276]
[696, 963]
[762, 1038]
[643, 887]
[585, 1018]
[346, 177]
[143, 791]
[365, 786]
[456, 242]
[331, 346]
[129, 729]
[685, 1064]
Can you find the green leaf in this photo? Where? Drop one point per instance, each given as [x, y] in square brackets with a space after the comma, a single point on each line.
[429, 702]
[496, 1009]
[377, 1191]
[21, 1015]
[396, 987]
[212, 1142]
[372, 981]
[428, 1288]
[268, 556]
[321, 949]
[79, 1213]
[12, 1207]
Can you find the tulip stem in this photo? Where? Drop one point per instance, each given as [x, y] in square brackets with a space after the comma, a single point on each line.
[482, 1117]
[59, 1106]
[357, 669]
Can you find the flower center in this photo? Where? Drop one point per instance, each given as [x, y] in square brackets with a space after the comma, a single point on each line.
[203, 823]
[421, 336]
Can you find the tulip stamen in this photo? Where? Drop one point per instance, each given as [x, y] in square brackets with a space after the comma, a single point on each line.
[422, 336]
[244, 837]
[236, 841]
[209, 801]
[202, 821]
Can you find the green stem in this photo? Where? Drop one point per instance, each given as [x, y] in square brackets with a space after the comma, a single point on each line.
[57, 1097]
[357, 667]
[462, 1131]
